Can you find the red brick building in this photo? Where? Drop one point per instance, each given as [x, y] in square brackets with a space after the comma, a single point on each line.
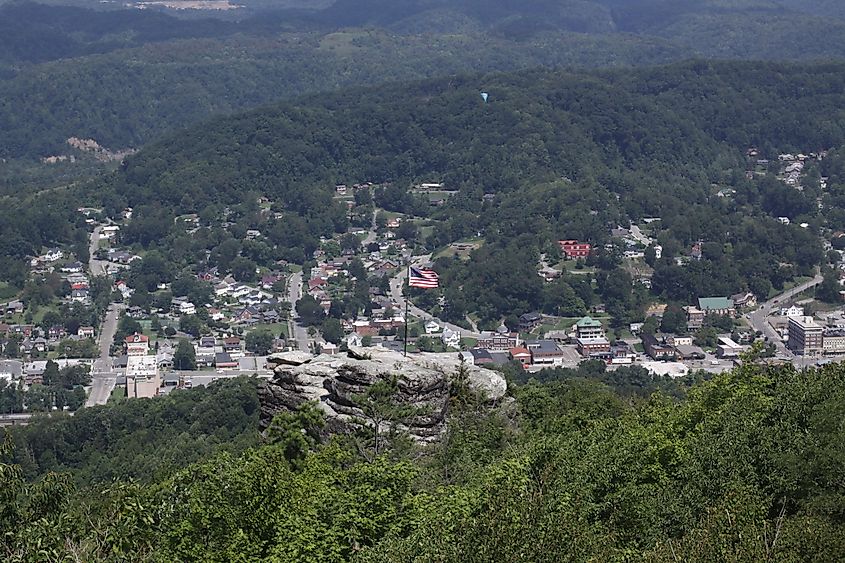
[521, 355]
[574, 249]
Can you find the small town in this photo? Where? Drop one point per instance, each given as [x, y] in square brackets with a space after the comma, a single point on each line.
[453, 281]
[161, 336]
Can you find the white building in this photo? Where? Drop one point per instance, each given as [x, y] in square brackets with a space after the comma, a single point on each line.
[450, 338]
[793, 311]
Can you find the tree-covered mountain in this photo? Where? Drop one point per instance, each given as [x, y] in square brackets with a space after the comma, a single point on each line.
[577, 153]
[124, 77]
[33, 33]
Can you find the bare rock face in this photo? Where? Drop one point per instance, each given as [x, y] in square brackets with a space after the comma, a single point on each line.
[337, 383]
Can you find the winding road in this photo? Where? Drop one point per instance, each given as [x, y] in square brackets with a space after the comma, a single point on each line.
[759, 322]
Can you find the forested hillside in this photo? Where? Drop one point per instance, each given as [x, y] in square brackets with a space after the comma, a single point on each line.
[124, 77]
[142, 440]
[577, 153]
[746, 468]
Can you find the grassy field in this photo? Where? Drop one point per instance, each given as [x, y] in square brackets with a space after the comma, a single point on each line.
[468, 343]
[450, 251]
[118, 394]
[275, 328]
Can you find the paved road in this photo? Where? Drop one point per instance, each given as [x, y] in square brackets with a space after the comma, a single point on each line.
[758, 319]
[396, 285]
[638, 235]
[103, 376]
[96, 267]
[296, 330]
[371, 236]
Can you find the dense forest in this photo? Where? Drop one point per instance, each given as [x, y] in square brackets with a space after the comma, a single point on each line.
[745, 467]
[124, 77]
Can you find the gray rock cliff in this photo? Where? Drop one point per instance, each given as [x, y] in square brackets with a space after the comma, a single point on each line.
[336, 382]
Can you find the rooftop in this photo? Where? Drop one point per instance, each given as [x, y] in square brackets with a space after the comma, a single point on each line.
[711, 303]
[588, 322]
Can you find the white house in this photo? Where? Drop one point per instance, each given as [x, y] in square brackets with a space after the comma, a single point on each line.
[450, 338]
[53, 255]
[793, 311]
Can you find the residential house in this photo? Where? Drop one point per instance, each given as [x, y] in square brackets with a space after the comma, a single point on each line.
[247, 314]
[695, 252]
[450, 338]
[11, 370]
[109, 231]
[15, 307]
[85, 332]
[39, 345]
[271, 317]
[431, 327]
[53, 255]
[135, 313]
[482, 357]
[222, 288]
[73, 267]
[181, 306]
[574, 249]
[232, 346]
[315, 284]
[793, 311]
[56, 332]
[79, 295]
[529, 321]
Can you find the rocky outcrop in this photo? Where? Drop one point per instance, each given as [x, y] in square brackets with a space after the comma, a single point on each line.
[339, 382]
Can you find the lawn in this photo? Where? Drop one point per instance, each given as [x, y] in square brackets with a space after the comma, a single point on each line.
[467, 343]
[275, 328]
[118, 394]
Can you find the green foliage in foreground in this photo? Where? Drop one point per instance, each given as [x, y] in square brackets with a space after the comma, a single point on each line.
[747, 468]
[145, 440]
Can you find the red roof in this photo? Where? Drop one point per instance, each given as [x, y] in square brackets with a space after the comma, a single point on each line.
[514, 352]
[133, 338]
[316, 282]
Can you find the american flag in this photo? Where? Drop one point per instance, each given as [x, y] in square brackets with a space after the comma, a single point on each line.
[423, 277]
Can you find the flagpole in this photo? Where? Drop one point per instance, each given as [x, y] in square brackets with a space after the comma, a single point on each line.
[407, 298]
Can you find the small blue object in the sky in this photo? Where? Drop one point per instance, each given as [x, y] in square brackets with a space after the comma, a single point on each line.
[484, 96]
